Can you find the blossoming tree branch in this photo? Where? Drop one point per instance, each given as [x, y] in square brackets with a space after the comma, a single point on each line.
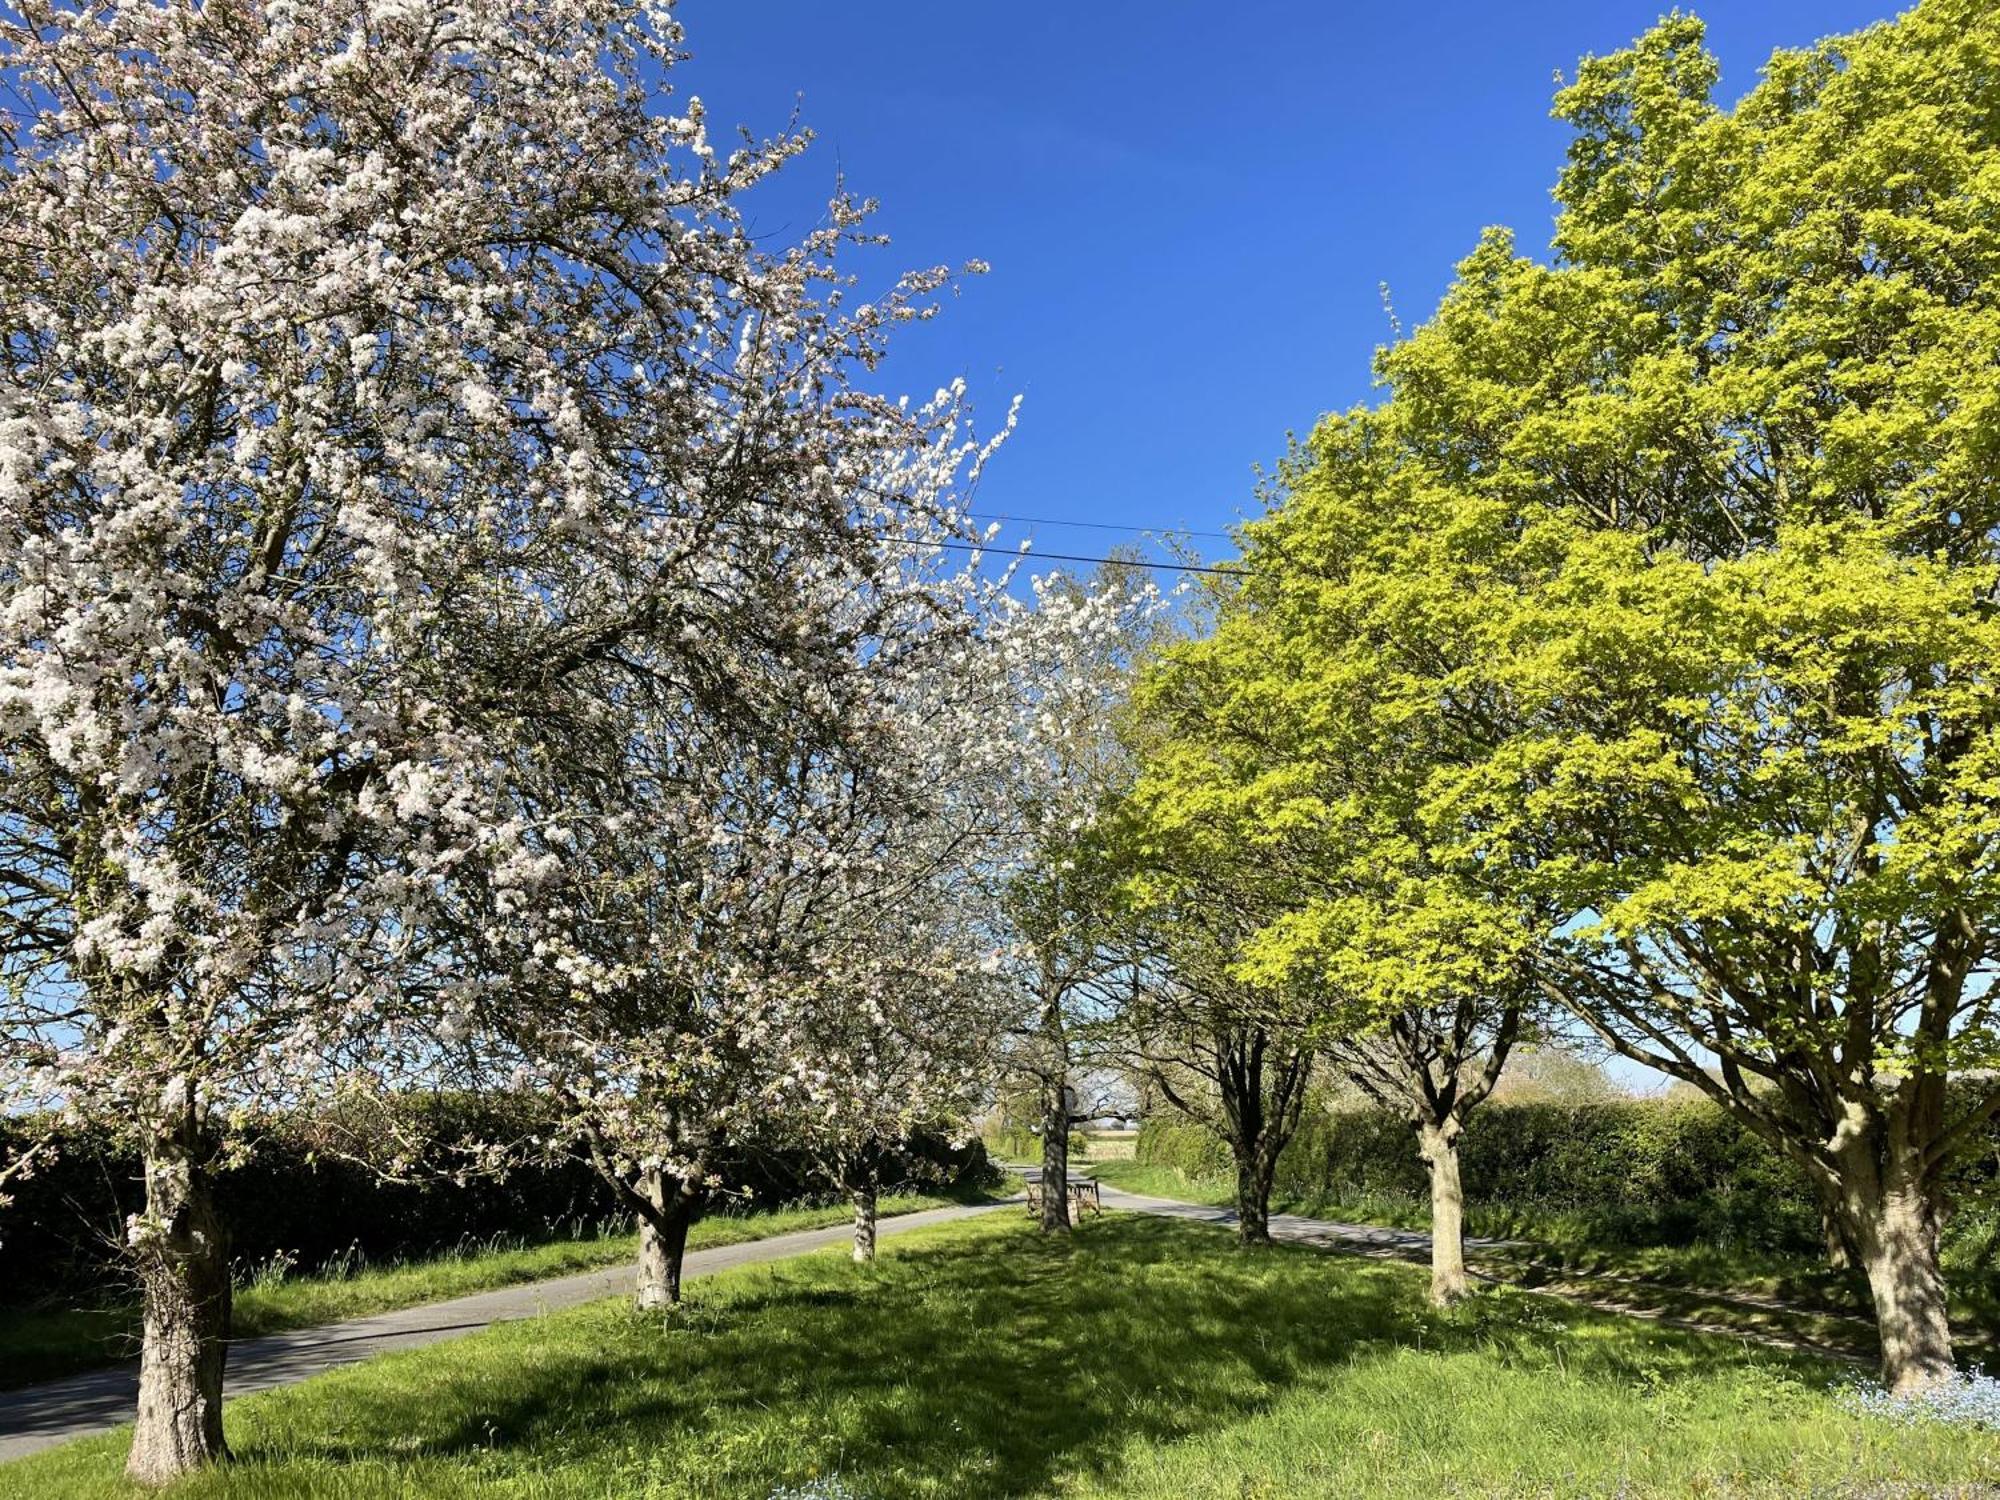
[457, 602]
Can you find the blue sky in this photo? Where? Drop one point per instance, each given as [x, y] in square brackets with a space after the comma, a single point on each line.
[1189, 210]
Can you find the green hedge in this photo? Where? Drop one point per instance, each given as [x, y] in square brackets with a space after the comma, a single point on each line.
[1666, 1172]
[62, 1231]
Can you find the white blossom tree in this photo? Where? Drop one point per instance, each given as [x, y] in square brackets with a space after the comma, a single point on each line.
[729, 873]
[1055, 906]
[904, 1012]
[780, 927]
[380, 379]
[904, 1044]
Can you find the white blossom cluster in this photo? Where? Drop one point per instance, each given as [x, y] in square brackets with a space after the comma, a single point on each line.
[462, 612]
[387, 389]
[785, 928]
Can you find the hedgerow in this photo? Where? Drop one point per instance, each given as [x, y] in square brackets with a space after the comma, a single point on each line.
[1621, 1172]
[298, 1198]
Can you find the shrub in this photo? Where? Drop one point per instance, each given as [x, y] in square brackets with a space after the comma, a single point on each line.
[1621, 1172]
[295, 1202]
[1021, 1144]
[1016, 1144]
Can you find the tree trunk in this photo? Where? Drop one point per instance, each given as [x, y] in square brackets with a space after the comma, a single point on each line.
[1893, 1229]
[864, 1223]
[1838, 1256]
[1055, 1161]
[680, 1214]
[1438, 1145]
[1253, 1198]
[656, 1277]
[183, 1264]
[662, 1241]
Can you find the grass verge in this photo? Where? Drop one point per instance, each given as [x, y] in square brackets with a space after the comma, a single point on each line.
[47, 1342]
[1142, 1360]
[1745, 1290]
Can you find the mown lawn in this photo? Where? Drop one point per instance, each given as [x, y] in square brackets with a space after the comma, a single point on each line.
[1686, 1281]
[1147, 1358]
[47, 1342]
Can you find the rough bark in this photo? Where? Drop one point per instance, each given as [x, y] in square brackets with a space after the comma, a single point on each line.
[675, 1233]
[864, 1223]
[1890, 1218]
[1261, 1087]
[1253, 1196]
[1437, 1065]
[1242, 1077]
[655, 1270]
[663, 1231]
[183, 1264]
[1839, 1256]
[1055, 1161]
[1438, 1145]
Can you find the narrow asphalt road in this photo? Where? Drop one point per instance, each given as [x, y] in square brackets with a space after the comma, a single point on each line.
[41, 1416]
[1291, 1229]
[1326, 1234]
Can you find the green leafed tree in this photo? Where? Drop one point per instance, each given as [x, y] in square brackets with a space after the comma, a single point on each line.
[1678, 553]
[1281, 818]
[1227, 1053]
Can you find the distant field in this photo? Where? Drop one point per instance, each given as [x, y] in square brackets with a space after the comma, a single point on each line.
[1085, 1146]
[1110, 1145]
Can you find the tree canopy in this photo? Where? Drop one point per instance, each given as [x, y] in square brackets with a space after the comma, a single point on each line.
[1643, 633]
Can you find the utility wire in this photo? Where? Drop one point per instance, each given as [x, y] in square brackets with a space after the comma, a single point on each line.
[1119, 562]
[984, 548]
[1220, 536]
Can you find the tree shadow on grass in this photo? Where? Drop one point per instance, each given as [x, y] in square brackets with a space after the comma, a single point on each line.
[985, 1364]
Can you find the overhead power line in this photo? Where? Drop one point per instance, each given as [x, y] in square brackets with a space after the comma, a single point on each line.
[1221, 570]
[1220, 536]
[1119, 562]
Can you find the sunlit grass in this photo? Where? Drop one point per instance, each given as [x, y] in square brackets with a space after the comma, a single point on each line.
[1699, 1282]
[1145, 1359]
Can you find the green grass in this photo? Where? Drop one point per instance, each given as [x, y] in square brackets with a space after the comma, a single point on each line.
[48, 1342]
[1145, 1359]
[1693, 1282]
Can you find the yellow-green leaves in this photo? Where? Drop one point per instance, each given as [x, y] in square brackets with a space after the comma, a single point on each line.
[1651, 618]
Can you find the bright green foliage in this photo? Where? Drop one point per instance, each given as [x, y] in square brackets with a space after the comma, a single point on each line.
[1693, 535]
[1653, 613]
[1263, 779]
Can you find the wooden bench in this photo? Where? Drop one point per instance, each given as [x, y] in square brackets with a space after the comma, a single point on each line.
[1083, 1197]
